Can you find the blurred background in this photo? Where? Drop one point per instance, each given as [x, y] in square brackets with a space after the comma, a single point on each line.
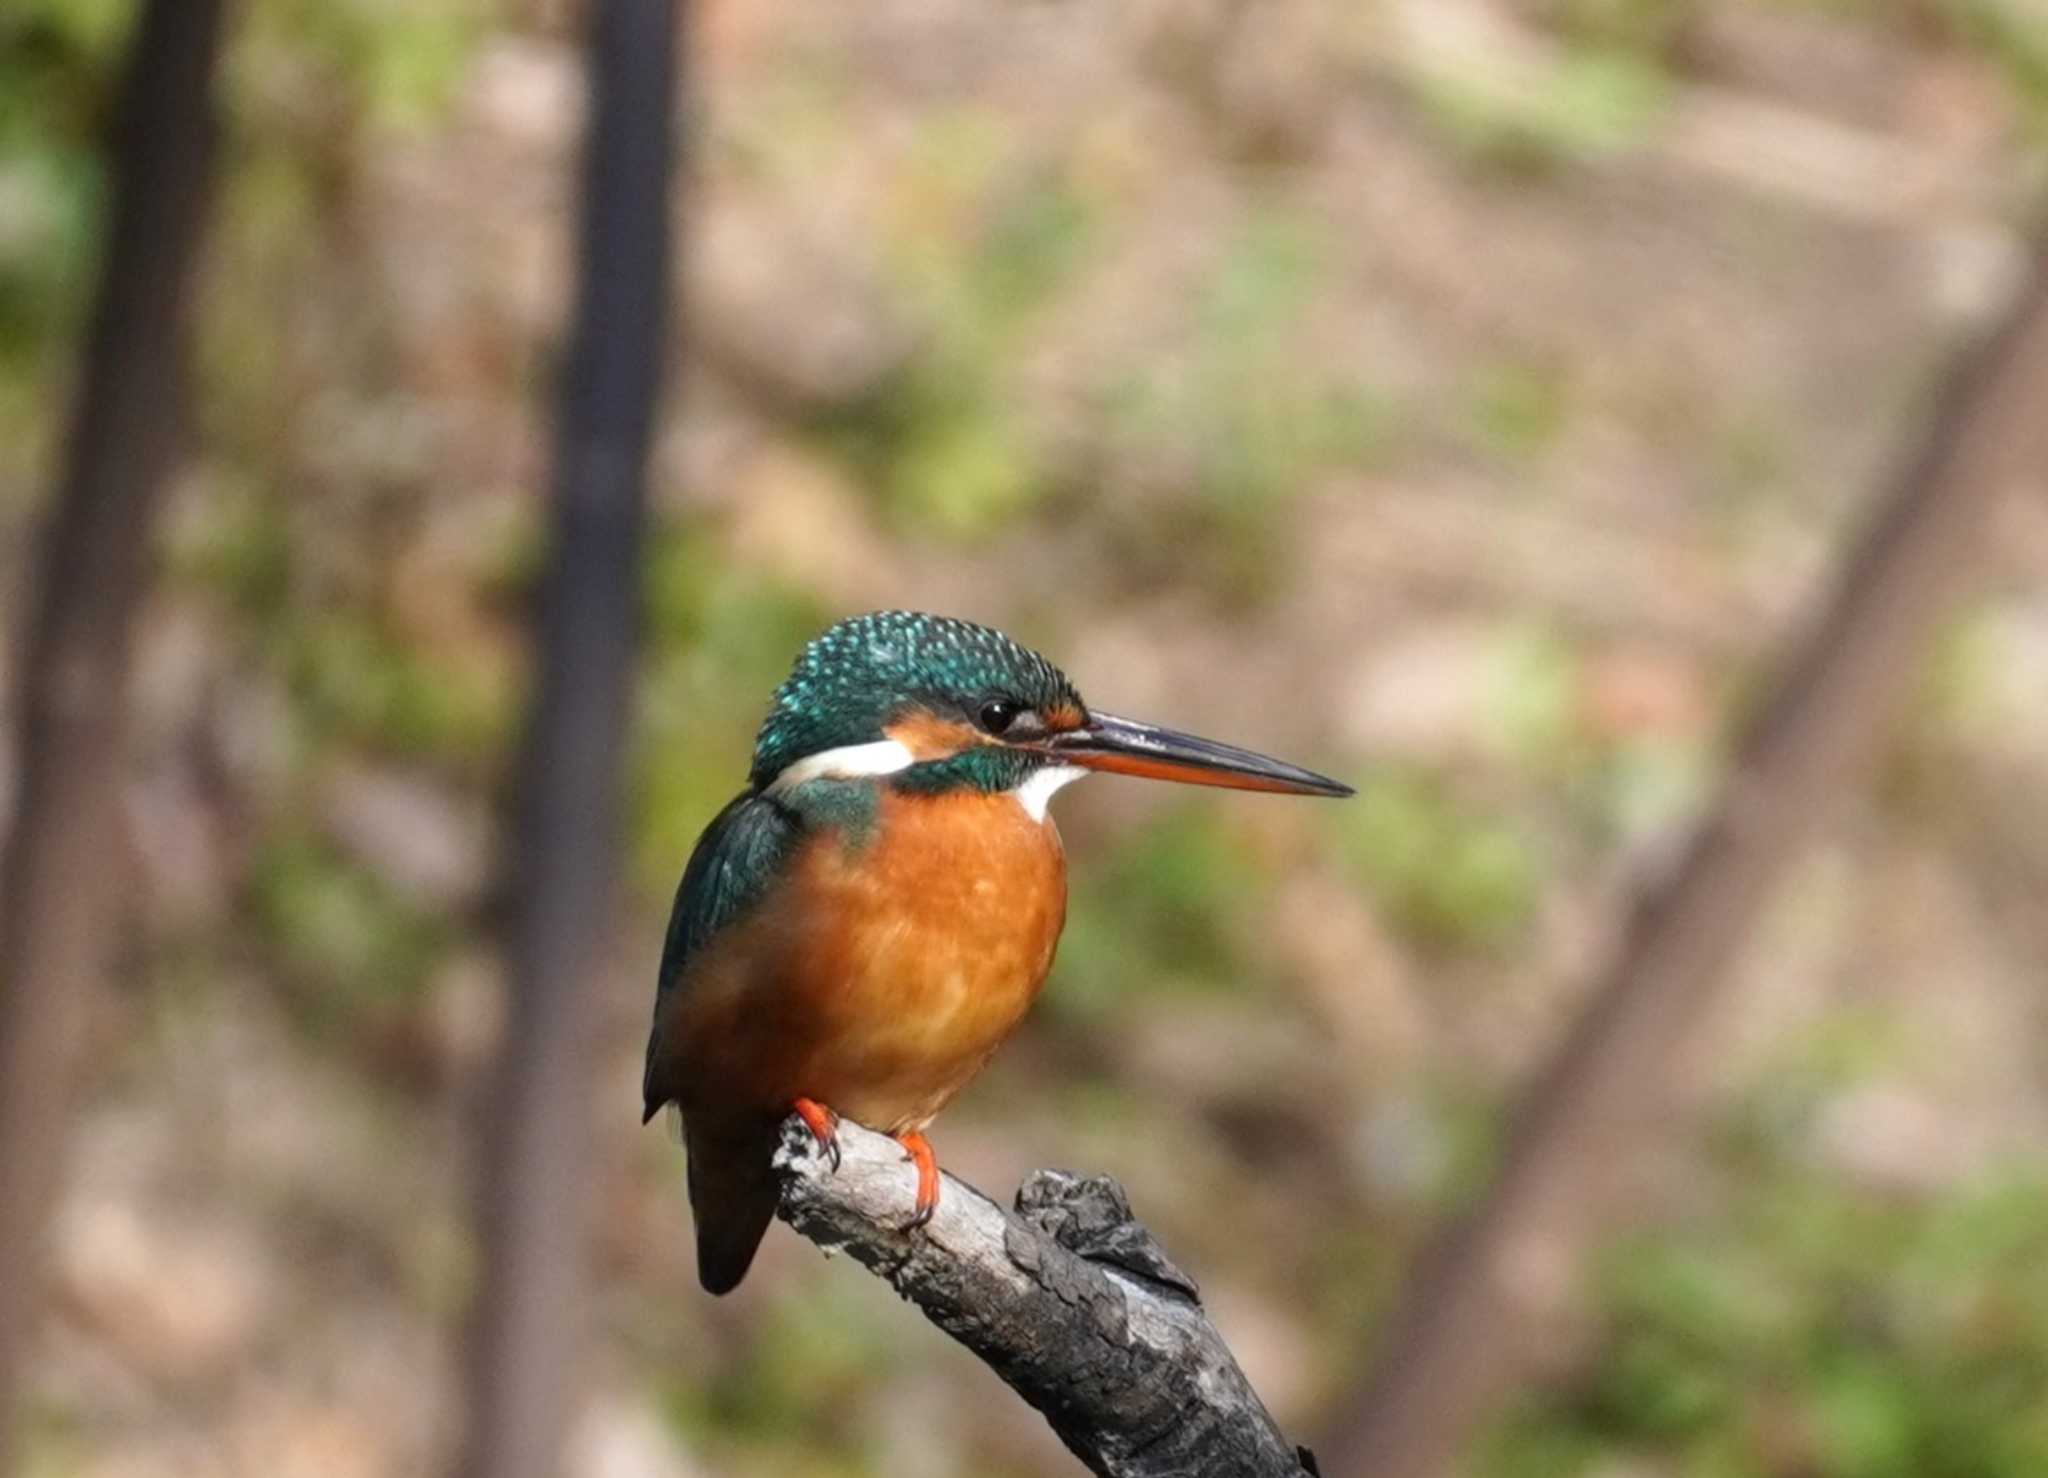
[1464, 398]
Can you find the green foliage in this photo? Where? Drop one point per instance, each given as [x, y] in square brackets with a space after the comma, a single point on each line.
[1519, 408]
[1624, 785]
[1959, 680]
[948, 454]
[350, 940]
[57, 69]
[1964, 701]
[2010, 33]
[1751, 458]
[1639, 787]
[1244, 419]
[719, 640]
[1594, 103]
[959, 460]
[236, 542]
[354, 679]
[269, 216]
[1446, 877]
[352, 676]
[813, 1354]
[1805, 1072]
[944, 445]
[1165, 909]
[49, 1439]
[1266, 280]
[792, 131]
[1534, 697]
[1650, 29]
[392, 62]
[1811, 1328]
[311, 87]
[1033, 244]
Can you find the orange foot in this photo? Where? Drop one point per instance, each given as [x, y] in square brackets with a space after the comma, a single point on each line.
[918, 1150]
[823, 1124]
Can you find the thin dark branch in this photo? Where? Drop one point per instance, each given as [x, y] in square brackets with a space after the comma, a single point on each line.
[63, 895]
[1067, 1298]
[537, 1133]
[1463, 1335]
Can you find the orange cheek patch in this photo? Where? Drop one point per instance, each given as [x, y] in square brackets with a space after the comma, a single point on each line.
[1066, 716]
[929, 737]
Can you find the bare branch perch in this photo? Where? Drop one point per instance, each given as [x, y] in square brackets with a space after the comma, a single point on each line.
[1067, 1298]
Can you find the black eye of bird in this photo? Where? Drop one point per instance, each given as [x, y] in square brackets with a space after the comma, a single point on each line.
[998, 714]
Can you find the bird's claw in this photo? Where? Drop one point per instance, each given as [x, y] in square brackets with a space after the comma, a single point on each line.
[824, 1126]
[917, 1150]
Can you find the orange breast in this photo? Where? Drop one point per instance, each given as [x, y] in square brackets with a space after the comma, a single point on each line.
[879, 979]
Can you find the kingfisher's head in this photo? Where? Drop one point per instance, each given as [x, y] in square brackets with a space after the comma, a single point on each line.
[938, 704]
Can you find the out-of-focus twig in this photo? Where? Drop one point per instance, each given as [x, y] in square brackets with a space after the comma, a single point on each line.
[1067, 1298]
[1463, 1333]
[536, 1130]
[61, 873]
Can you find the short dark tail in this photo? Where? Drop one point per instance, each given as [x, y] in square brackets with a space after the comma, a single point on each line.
[732, 1194]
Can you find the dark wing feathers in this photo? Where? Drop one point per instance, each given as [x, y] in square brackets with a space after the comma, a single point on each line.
[736, 859]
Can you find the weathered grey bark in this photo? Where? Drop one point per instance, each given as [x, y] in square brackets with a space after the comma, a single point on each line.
[537, 1140]
[1466, 1330]
[1067, 1298]
[63, 896]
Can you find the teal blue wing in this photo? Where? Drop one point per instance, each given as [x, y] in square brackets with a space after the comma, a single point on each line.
[737, 859]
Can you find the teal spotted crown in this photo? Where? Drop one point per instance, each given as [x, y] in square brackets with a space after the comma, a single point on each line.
[856, 677]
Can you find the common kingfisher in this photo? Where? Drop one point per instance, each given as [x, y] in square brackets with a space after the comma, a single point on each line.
[859, 930]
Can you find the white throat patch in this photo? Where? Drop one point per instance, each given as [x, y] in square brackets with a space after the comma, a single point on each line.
[1037, 790]
[848, 762]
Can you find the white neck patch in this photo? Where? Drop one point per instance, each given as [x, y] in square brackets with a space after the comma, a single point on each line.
[1037, 789]
[848, 762]
[887, 756]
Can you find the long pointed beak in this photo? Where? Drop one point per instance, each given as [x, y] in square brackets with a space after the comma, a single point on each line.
[1127, 747]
